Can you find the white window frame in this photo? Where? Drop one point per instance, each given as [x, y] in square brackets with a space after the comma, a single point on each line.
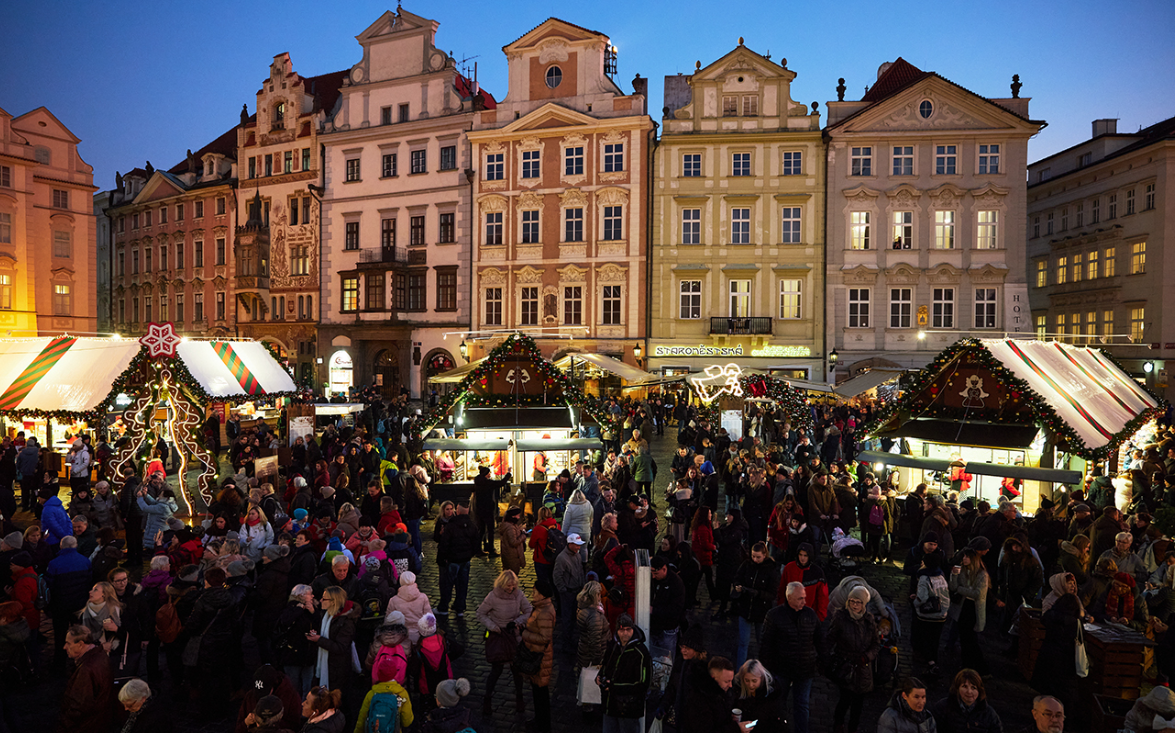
[858, 307]
[944, 229]
[942, 312]
[494, 228]
[987, 235]
[492, 306]
[987, 312]
[791, 225]
[572, 305]
[901, 307]
[612, 305]
[740, 225]
[691, 165]
[689, 302]
[573, 219]
[861, 161]
[859, 234]
[739, 300]
[528, 308]
[740, 164]
[946, 160]
[531, 226]
[691, 226]
[531, 168]
[613, 223]
[989, 159]
[573, 160]
[613, 157]
[793, 163]
[903, 229]
[495, 167]
[791, 299]
[903, 160]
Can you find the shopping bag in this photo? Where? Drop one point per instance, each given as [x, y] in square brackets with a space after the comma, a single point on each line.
[589, 691]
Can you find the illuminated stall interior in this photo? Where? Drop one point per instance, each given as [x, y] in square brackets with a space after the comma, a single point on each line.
[1033, 410]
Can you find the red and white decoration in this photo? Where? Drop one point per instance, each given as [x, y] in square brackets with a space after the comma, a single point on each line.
[160, 340]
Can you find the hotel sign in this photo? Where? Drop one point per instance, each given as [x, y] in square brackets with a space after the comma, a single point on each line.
[765, 351]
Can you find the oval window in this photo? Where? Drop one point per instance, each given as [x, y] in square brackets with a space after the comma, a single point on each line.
[926, 109]
[554, 76]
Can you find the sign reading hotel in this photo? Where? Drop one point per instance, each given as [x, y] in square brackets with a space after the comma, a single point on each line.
[766, 351]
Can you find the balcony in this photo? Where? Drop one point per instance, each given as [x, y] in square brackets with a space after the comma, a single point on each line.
[756, 325]
[382, 257]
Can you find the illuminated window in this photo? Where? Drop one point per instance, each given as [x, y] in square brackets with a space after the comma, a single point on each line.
[790, 299]
[62, 300]
[989, 226]
[1109, 268]
[350, 294]
[944, 230]
[1042, 269]
[1138, 258]
[1062, 270]
[1137, 324]
[859, 230]
[1091, 266]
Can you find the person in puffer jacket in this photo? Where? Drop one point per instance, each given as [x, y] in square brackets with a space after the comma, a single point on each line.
[907, 711]
[432, 658]
[55, 522]
[157, 512]
[387, 658]
[932, 603]
[411, 602]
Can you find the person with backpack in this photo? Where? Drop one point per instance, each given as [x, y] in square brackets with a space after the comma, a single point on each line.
[432, 660]
[387, 657]
[293, 653]
[546, 541]
[877, 521]
[932, 603]
[386, 708]
[448, 717]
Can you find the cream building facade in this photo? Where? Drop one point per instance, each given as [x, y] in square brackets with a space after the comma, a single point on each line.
[396, 212]
[1100, 214]
[560, 196]
[738, 223]
[277, 255]
[926, 218]
[48, 277]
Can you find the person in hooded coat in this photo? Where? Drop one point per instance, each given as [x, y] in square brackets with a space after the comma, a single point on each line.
[624, 676]
[213, 620]
[907, 710]
[804, 570]
[852, 637]
[1159, 701]
[410, 601]
[1055, 672]
[538, 634]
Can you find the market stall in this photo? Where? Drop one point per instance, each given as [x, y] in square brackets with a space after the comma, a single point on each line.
[58, 387]
[728, 395]
[506, 410]
[601, 375]
[1030, 406]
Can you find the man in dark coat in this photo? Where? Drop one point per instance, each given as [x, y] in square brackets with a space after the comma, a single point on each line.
[485, 490]
[707, 708]
[70, 578]
[342, 574]
[667, 607]
[625, 675]
[269, 597]
[215, 619]
[793, 641]
[755, 584]
[459, 543]
[89, 694]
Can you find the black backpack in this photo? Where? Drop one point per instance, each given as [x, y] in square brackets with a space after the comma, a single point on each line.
[556, 543]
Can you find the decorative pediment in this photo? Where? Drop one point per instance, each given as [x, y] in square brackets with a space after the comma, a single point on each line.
[530, 143]
[742, 59]
[612, 196]
[197, 283]
[611, 273]
[946, 196]
[178, 284]
[614, 136]
[860, 274]
[902, 273]
[988, 274]
[528, 275]
[904, 196]
[572, 274]
[573, 198]
[989, 196]
[489, 204]
[160, 186]
[549, 115]
[552, 50]
[861, 193]
[529, 200]
[944, 274]
[492, 276]
[573, 140]
[493, 146]
[953, 108]
[552, 29]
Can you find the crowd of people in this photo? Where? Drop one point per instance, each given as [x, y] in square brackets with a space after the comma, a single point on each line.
[293, 602]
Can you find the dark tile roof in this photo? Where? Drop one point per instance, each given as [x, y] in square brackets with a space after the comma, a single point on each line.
[325, 89]
[573, 25]
[898, 76]
[1147, 136]
[225, 145]
[139, 172]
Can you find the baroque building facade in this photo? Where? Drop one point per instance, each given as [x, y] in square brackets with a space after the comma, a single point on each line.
[738, 223]
[926, 218]
[396, 212]
[277, 254]
[48, 278]
[172, 246]
[562, 167]
[1099, 215]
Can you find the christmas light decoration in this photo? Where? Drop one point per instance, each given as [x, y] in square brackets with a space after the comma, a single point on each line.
[160, 340]
[791, 400]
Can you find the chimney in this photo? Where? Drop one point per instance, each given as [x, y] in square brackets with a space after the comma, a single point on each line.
[1105, 127]
[640, 86]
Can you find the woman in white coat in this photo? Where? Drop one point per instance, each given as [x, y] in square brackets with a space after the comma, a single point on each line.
[256, 534]
[577, 519]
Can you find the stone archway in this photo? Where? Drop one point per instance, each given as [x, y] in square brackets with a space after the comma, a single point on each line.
[385, 371]
[437, 361]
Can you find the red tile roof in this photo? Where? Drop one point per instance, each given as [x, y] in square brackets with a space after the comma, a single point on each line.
[573, 25]
[898, 76]
[325, 89]
[464, 87]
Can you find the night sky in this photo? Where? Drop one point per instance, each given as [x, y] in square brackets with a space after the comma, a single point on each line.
[141, 81]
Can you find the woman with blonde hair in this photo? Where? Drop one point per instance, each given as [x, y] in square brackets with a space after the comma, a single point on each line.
[593, 627]
[256, 533]
[758, 697]
[102, 615]
[335, 638]
[502, 613]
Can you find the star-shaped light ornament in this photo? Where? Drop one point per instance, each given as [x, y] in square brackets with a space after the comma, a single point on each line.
[160, 340]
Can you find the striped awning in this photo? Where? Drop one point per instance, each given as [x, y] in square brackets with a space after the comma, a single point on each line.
[60, 373]
[234, 369]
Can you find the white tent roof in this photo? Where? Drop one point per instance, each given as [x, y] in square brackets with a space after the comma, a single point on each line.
[79, 381]
[210, 370]
[627, 372]
[1090, 393]
[453, 376]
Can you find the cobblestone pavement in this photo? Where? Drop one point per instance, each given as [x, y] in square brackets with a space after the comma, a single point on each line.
[1008, 692]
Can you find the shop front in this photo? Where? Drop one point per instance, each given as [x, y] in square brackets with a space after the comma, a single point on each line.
[776, 358]
[341, 371]
[985, 410]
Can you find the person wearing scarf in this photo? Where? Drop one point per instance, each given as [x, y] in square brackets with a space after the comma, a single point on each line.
[803, 570]
[852, 636]
[103, 615]
[1061, 583]
[334, 639]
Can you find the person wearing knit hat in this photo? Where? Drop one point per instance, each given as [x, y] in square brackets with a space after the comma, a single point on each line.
[624, 677]
[427, 625]
[273, 552]
[449, 694]
[12, 541]
[412, 602]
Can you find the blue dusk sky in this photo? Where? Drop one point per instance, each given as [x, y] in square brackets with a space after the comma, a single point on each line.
[141, 81]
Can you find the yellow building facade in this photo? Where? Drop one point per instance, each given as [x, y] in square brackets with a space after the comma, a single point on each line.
[737, 255]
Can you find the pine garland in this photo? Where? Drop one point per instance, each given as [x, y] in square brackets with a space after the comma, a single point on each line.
[793, 402]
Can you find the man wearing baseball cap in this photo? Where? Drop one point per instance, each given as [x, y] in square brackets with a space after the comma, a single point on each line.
[568, 578]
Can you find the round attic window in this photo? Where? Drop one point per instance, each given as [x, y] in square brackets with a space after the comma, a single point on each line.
[554, 76]
[926, 109]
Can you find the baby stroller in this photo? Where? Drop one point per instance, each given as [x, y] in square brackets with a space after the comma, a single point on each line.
[847, 552]
[889, 632]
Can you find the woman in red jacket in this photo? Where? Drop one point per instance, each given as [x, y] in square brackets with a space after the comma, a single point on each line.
[702, 543]
[778, 525]
[619, 562]
[803, 570]
[24, 588]
[543, 568]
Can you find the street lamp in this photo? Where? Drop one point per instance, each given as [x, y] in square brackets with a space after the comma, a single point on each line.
[638, 353]
[833, 357]
[1148, 367]
[464, 349]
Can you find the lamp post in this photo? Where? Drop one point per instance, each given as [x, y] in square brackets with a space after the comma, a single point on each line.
[464, 349]
[833, 358]
[638, 353]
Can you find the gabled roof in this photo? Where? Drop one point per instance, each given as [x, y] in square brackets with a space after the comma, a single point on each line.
[549, 111]
[393, 22]
[45, 110]
[901, 75]
[464, 88]
[898, 76]
[741, 50]
[225, 145]
[556, 20]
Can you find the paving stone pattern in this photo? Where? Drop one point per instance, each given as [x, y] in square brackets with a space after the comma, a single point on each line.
[1006, 690]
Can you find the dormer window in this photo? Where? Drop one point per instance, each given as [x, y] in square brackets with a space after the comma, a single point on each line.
[209, 167]
[554, 77]
[279, 115]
